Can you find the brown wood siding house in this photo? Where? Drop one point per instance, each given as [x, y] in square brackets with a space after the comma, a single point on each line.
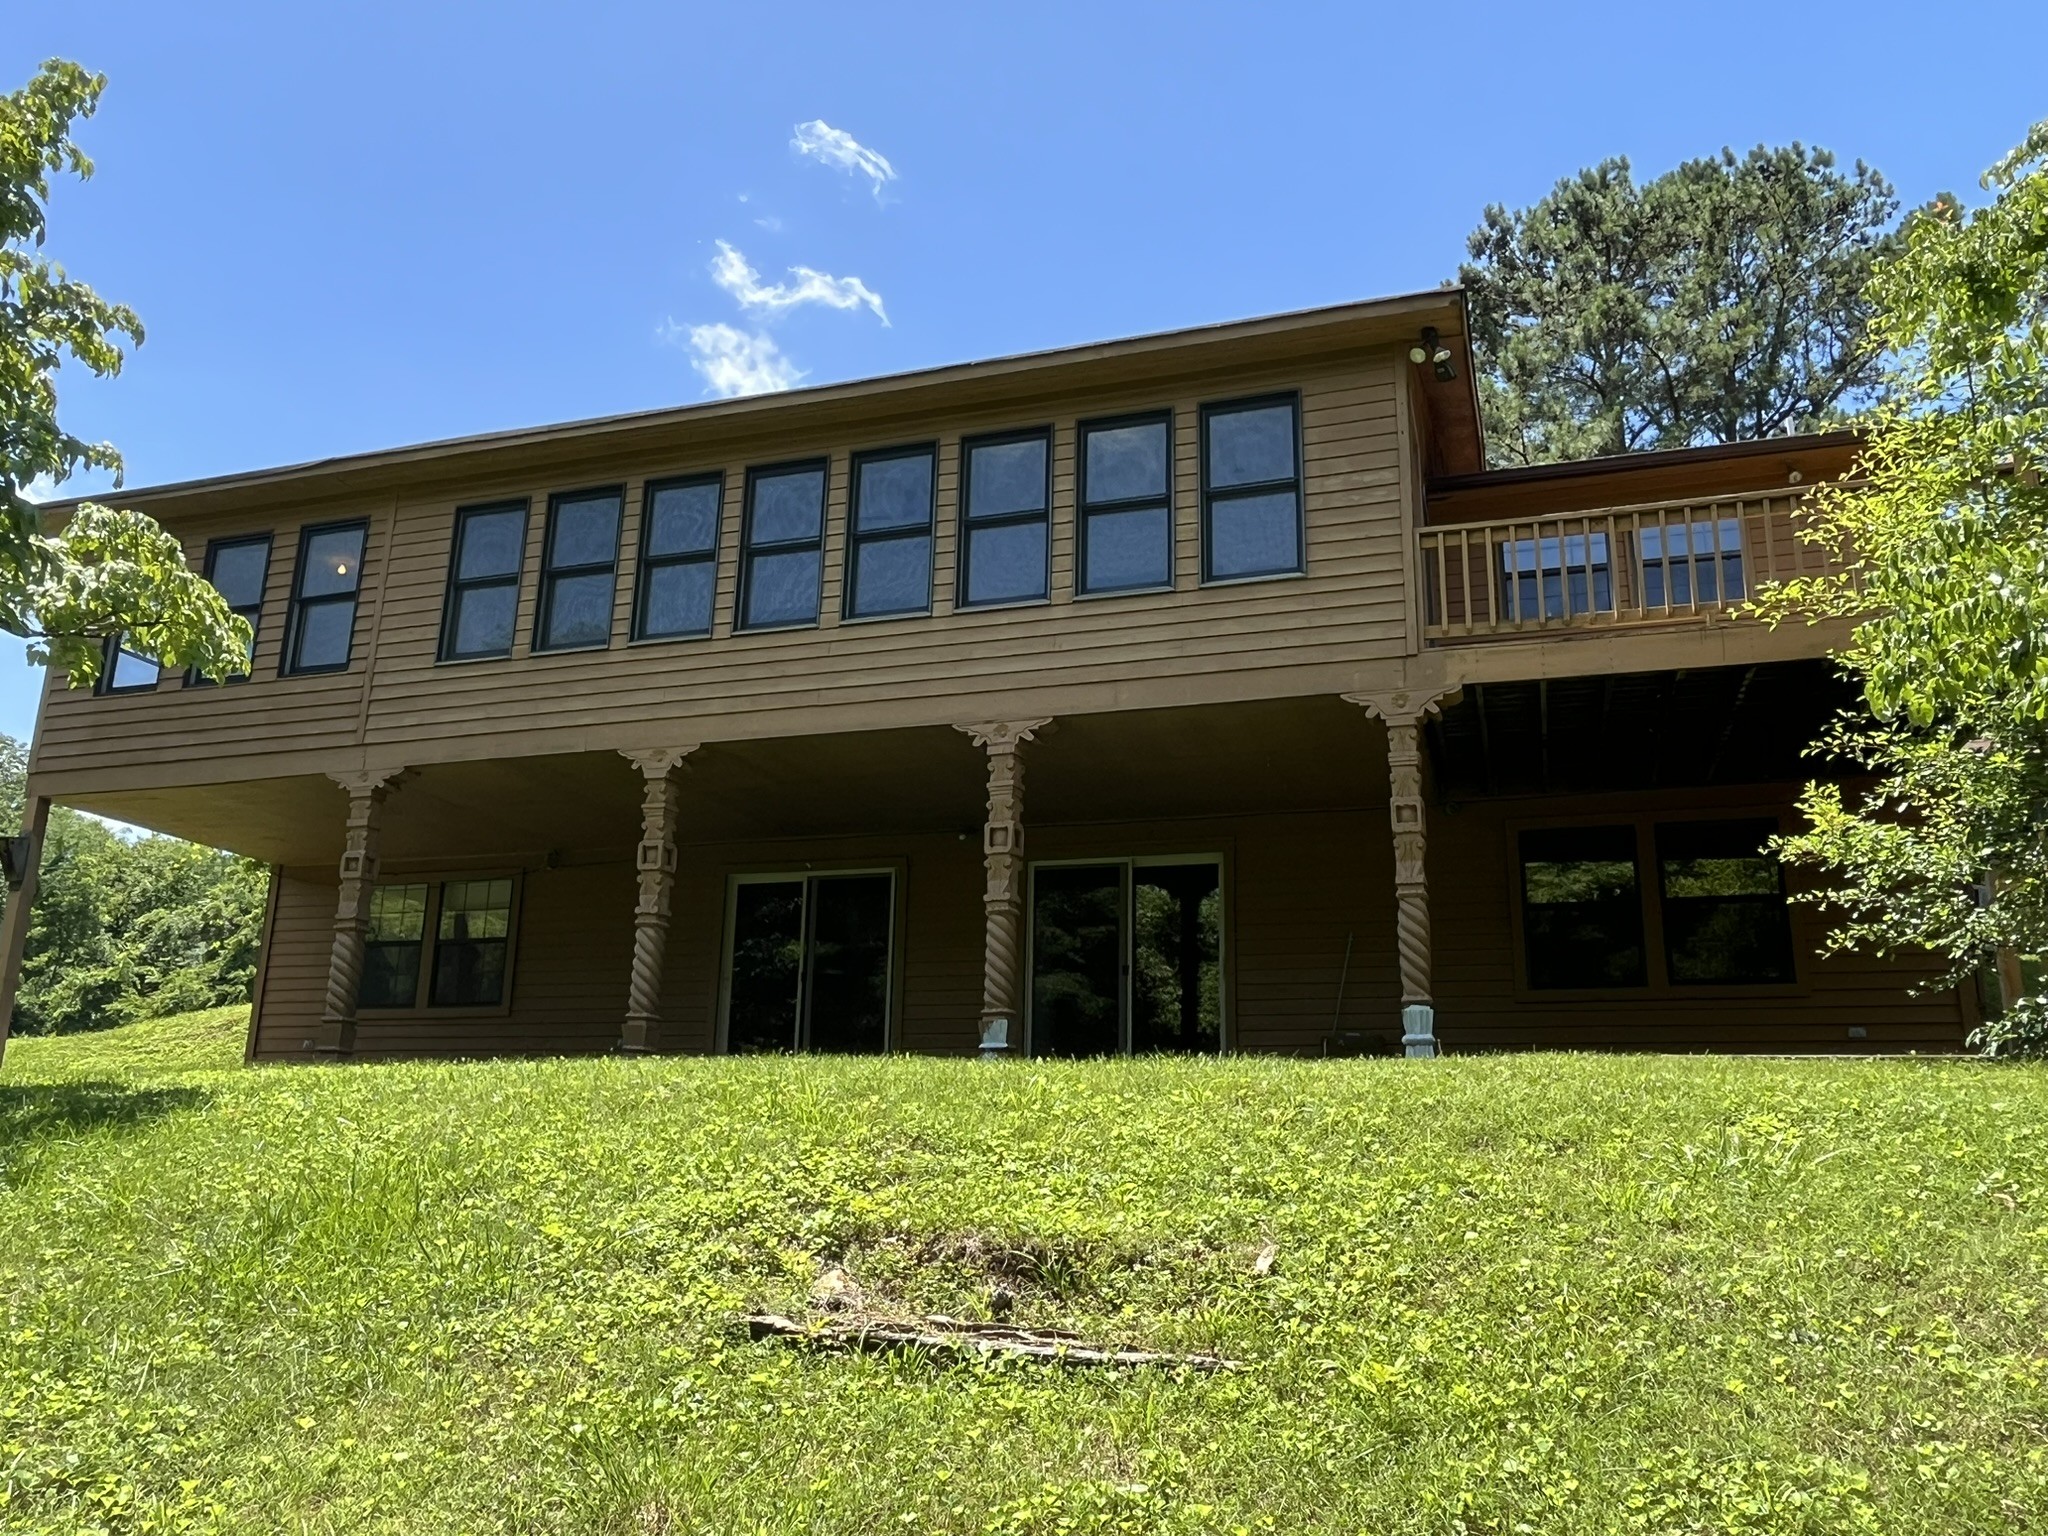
[1193, 692]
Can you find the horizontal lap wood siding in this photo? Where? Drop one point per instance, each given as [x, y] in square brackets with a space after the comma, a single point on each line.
[1154, 648]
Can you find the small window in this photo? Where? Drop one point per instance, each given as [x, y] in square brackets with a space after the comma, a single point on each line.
[678, 557]
[1004, 553]
[1554, 578]
[579, 571]
[1127, 504]
[471, 940]
[1582, 908]
[1725, 921]
[1690, 563]
[322, 624]
[1251, 489]
[782, 546]
[889, 537]
[483, 581]
[125, 671]
[238, 569]
[391, 957]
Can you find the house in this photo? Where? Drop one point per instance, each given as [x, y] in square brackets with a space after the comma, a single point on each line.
[1196, 691]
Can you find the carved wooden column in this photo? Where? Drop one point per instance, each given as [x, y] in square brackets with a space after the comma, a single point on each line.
[366, 792]
[656, 862]
[1404, 713]
[24, 870]
[1002, 847]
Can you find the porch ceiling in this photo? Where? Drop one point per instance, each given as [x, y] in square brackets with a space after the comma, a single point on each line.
[1271, 755]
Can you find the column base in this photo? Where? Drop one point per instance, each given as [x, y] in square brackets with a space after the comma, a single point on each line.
[1418, 1031]
[995, 1039]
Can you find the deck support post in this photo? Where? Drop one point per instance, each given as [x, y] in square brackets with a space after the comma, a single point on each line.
[655, 860]
[1002, 848]
[24, 873]
[1404, 711]
[367, 790]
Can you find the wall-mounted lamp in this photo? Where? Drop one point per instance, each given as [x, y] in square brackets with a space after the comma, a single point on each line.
[1431, 350]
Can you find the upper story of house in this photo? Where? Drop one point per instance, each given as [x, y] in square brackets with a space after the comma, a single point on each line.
[1279, 507]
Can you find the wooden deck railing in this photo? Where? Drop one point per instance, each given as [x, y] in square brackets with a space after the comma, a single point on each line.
[1643, 564]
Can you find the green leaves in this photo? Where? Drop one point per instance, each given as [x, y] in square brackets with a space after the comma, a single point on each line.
[107, 573]
[1720, 301]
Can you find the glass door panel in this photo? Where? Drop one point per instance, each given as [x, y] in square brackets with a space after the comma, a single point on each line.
[1176, 957]
[767, 966]
[1077, 960]
[848, 984]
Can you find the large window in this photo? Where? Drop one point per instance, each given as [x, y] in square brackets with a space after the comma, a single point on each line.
[1582, 907]
[483, 581]
[678, 557]
[321, 627]
[1251, 489]
[1127, 504]
[451, 942]
[808, 962]
[1689, 563]
[889, 533]
[1556, 577]
[1127, 957]
[578, 570]
[238, 569]
[781, 545]
[1004, 550]
[1724, 903]
[125, 671]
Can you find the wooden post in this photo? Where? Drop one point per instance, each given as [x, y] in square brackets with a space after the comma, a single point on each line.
[1404, 713]
[21, 899]
[366, 792]
[1002, 848]
[656, 862]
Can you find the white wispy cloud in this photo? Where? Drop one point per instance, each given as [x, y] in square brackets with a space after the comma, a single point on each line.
[729, 269]
[733, 362]
[842, 151]
[770, 223]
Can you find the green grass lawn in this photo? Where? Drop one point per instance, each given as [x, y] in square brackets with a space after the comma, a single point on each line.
[1544, 1293]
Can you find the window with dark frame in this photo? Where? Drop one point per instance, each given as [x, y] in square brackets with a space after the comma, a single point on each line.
[125, 671]
[1005, 500]
[1251, 489]
[579, 570]
[1554, 578]
[782, 541]
[678, 575]
[1723, 896]
[482, 605]
[889, 532]
[472, 936]
[238, 568]
[393, 946]
[1126, 500]
[1582, 908]
[320, 627]
[1688, 563]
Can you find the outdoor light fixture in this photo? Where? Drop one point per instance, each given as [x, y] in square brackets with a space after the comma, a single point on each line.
[1431, 350]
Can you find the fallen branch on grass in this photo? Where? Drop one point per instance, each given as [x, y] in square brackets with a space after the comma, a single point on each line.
[956, 1336]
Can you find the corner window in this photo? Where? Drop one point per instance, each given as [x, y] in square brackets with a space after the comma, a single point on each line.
[578, 570]
[238, 569]
[782, 546]
[1556, 578]
[678, 557]
[321, 626]
[889, 533]
[483, 581]
[1004, 550]
[1725, 920]
[451, 940]
[1582, 908]
[1251, 489]
[1127, 504]
[125, 671]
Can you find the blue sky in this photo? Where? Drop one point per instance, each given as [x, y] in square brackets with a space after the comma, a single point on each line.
[348, 226]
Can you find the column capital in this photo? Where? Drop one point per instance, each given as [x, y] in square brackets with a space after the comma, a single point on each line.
[658, 762]
[1007, 735]
[370, 781]
[1402, 705]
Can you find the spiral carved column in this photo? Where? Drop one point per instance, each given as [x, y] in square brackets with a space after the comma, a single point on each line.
[1404, 713]
[361, 841]
[656, 862]
[1002, 847]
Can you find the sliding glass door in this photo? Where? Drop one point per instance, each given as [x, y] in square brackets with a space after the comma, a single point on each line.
[808, 962]
[1127, 956]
